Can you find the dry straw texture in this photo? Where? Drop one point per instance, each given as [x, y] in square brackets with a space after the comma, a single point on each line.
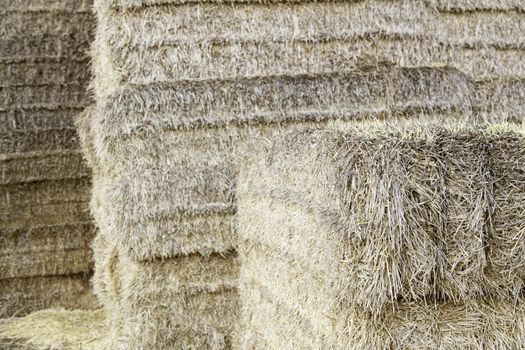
[187, 135]
[206, 39]
[45, 256]
[21, 296]
[182, 86]
[54, 329]
[187, 301]
[383, 234]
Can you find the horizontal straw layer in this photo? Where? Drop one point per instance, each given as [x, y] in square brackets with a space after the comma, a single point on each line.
[455, 6]
[43, 167]
[20, 296]
[46, 250]
[246, 39]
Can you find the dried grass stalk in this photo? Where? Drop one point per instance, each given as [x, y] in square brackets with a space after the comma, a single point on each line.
[210, 40]
[19, 296]
[73, 95]
[401, 214]
[14, 142]
[506, 251]
[54, 329]
[47, 5]
[48, 214]
[46, 250]
[48, 167]
[59, 118]
[44, 193]
[179, 302]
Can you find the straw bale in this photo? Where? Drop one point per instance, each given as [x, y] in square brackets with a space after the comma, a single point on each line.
[280, 298]
[501, 100]
[390, 189]
[19, 296]
[118, 275]
[194, 321]
[45, 192]
[15, 142]
[190, 61]
[484, 28]
[55, 329]
[44, 47]
[47, 5]
[17, 216]
[137, 4]
[159, 43]
[480, 324]
[45, 263]
[310, 21]
[171, 303]
[53, 23]
[46, 250]
[371, 91]
[51, 166]
[420, 198]
[477, 5]
[70, 95]
[506, 253]
[159, 278]
[59, 72]
[35, 118]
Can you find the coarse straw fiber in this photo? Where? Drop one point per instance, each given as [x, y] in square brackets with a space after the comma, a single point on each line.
[46, 6]
[44, 193]
[43, 47]
[42, 96]
[172, 227]
[478, 5]
[172, 303]
[38, 118]
[51, 23]
[454, 6]
[501, 100]
[507, 251]
[159, 43]
[106, 281]
[191, 167]
[191, 321]
[54, 329]
[18, 216]
[15, 142]
[19, 296]
[46, 250]
[134, 114]
[60, 72]
[50, 166]
[403, 214]
[283, 307]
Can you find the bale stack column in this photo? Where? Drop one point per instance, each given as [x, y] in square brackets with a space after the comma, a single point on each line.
[45, 226]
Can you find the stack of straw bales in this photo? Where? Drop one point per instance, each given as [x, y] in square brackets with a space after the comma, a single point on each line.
[180, 86]
[46, 229]
[384, 239]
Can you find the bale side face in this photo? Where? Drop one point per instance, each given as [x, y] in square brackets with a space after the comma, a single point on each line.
[407, 214]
